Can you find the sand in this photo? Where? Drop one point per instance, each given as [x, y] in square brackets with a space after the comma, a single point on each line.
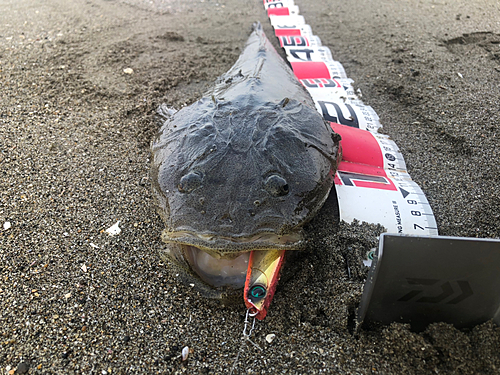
[80, 83]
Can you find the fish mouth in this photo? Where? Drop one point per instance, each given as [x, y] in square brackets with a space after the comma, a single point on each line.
[222, 262]
[218, 272]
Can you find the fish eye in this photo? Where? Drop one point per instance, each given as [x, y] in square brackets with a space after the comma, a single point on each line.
[189, 182]
[276, 186]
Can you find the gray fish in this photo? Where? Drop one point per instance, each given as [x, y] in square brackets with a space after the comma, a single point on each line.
[241, 170]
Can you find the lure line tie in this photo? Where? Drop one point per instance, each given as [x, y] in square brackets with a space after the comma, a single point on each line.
[247, 332]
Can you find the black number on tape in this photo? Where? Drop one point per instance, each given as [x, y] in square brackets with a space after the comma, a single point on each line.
[337, 115]
[308, 52]
[293, 41]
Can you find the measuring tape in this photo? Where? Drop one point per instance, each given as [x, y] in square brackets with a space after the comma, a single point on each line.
[372, 182]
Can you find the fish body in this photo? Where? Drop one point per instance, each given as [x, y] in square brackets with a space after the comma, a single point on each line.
[241, 170]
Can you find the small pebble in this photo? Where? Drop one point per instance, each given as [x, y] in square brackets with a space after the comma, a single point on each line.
[128, 71]
[7, 225]
[270, 337]
[114, 229]
[185, 353]
[22, 368]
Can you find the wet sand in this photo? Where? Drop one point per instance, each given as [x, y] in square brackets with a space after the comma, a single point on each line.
[75, 129]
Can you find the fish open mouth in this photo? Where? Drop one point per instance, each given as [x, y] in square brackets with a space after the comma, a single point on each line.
[222, 262]
[218, 272]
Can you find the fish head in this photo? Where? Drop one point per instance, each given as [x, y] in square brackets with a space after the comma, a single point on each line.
[234, 176]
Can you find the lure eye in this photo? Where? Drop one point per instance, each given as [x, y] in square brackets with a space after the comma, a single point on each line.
[190, 181]
[276, 186]
[257, 292]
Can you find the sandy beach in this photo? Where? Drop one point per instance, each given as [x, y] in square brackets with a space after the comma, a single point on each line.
[80, 82]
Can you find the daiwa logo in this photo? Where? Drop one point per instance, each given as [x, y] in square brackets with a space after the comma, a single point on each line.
[437, 291]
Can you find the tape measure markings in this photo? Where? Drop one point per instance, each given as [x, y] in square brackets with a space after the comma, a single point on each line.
[371, 181]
